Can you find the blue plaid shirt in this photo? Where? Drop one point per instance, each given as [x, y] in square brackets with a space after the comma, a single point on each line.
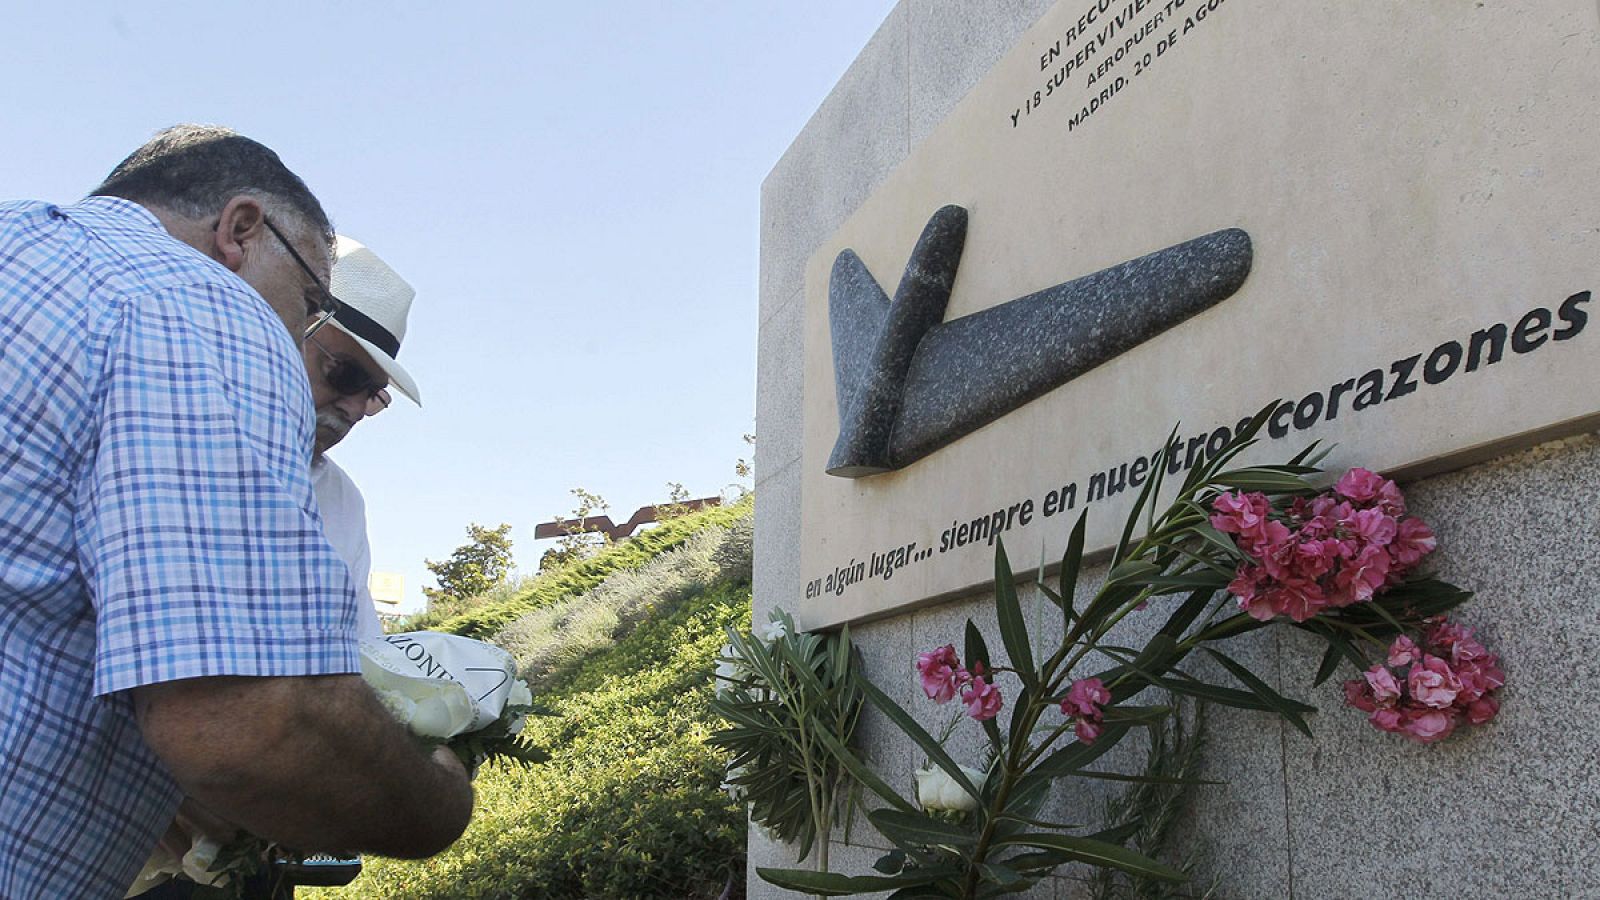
[156, 523]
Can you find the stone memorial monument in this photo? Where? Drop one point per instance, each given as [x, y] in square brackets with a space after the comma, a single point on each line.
[1023, 240]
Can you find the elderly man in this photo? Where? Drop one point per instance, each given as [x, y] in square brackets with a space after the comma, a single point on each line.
[172, 621]
[351, 365]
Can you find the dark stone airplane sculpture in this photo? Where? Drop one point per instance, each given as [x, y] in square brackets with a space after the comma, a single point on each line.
[909, 383]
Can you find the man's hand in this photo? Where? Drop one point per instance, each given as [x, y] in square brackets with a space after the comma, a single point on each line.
[313, 762]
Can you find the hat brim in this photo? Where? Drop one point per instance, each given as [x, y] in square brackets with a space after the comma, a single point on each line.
[399, 378]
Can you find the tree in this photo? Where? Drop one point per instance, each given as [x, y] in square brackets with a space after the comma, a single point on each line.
[474, 567]
[576, 544]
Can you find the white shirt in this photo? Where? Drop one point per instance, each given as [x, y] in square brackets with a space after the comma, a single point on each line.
[344, 521]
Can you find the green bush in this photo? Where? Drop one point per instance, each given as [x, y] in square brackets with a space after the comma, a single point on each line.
[556, 637]
[496, 612]
[630, 804]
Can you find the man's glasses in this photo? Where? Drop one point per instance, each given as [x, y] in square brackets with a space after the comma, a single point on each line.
[351, 380]
[326, 305]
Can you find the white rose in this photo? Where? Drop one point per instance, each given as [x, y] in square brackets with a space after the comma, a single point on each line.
[430, 707]
[442, 713]
[727, 670]
[197, 862]
[403, 708]
[521, 694]
[937, 790]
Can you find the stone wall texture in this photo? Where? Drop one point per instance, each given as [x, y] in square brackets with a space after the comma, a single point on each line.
[1507, 810]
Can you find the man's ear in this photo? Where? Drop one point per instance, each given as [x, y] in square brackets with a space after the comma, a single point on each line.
[242, 220]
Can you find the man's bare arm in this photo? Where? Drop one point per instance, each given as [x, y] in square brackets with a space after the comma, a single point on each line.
[311, 762]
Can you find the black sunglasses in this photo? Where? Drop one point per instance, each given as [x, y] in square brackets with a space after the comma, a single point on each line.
[326, 305]
[349, 379]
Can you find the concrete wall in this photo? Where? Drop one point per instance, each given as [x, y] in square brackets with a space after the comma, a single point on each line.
[1507, 810]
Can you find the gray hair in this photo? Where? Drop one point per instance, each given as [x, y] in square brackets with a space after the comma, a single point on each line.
[194, 170]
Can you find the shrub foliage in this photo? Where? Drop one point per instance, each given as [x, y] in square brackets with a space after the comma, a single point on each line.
[631, 802]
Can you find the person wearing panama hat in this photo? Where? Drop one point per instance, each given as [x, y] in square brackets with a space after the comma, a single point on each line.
[352, 368]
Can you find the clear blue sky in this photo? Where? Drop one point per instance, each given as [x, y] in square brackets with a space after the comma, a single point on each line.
[572, 188]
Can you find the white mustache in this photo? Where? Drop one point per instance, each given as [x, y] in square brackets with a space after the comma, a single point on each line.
[335, 422]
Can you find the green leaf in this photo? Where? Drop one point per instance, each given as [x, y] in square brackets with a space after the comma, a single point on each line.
[833, 884]
[1019, 717]
[1262, 478]
[1185, 615]
[862, 772]
[909, 830]
[919, 735]
[1209, 533]
[1304, 456]
[1157, 657]
[976, 650]
[1142, 779]
[1039, 862]
[1279, 703]
[1008, 612]
[1138, 715]
[1072, 560]
[921, 892]
[1133, 520]
[1036, 823]
[1208, 579]
[1117, 834]
[1134, 571]
[1100, 853]
[1073, 757]
[1005, 876]
[1158, 474]
[1330, 664]
[891, 863]
[1233, 626]
[1217, 694]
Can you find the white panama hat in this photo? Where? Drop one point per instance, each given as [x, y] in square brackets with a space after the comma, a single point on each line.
[375, 302]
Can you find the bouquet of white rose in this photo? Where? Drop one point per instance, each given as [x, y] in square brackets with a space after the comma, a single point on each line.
[447, 689]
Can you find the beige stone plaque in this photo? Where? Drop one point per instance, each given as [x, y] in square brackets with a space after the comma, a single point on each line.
[1420, 185]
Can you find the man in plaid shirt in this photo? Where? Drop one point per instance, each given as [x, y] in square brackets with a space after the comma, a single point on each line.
[172, 621]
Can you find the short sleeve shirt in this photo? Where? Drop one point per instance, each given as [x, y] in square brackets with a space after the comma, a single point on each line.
[156, 523]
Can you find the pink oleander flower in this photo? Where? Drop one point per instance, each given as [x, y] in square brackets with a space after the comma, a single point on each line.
[1385, 690]
[1358, 693]
[1240, 513]
[1338, 548]
[1360, 484]
[1413, 540]
[1456, 641]
[1373, 527]
[1432, 683]
[1390, 720]
[1086, 698]
[1085, 701]
[941, 673]
[1300, 599]
[1367, 488]
[1390, 499]
[1479, 678]
[1482, 710]
[1360, 578]
[1403, 652]
[983, 699]
[1316, 558]
[1086, 731]
[1428, 725]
